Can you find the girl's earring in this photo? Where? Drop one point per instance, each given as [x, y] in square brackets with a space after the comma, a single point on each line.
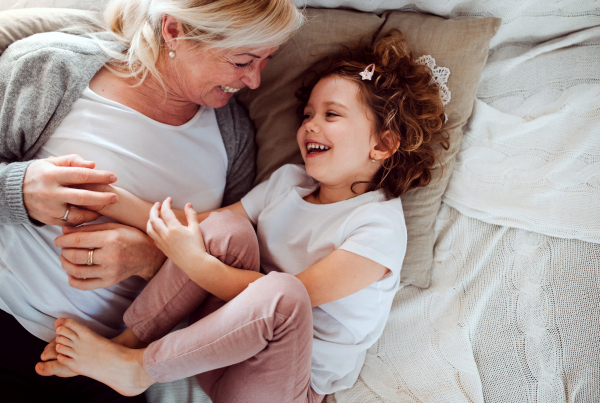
[172, 54]
[372, 159]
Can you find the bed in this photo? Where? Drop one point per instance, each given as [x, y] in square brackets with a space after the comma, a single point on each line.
[501, 301]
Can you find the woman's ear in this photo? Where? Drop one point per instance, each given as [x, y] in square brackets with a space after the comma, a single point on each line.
[386, 147]
[171, 30]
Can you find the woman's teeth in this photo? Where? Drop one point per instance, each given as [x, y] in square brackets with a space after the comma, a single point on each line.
[313, 147]
[229, 89]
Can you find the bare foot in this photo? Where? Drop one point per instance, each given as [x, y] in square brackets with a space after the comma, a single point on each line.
[129, 339]
[86, 353]
[51, 366]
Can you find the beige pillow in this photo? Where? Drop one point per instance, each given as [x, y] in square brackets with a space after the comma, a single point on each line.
[459, 44]
[21, 23]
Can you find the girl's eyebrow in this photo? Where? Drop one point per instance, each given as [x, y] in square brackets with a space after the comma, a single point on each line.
[337, 104]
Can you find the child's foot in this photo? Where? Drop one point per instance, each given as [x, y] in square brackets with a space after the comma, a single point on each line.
[129, 339]
[50, 366]
[86, 353]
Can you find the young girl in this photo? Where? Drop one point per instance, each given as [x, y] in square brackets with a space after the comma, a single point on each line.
[331, 236]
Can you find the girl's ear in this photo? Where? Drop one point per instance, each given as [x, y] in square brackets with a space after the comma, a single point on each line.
[386, 147]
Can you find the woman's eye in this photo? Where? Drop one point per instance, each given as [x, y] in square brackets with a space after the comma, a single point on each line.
[242, 65]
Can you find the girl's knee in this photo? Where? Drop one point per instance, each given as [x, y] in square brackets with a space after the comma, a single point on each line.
[291, 292]
[231, 238]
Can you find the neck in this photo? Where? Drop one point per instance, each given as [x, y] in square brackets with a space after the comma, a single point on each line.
[327, 194]
[147, 98]
[167, 108]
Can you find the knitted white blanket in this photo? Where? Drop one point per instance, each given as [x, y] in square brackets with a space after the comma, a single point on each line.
[530, 157]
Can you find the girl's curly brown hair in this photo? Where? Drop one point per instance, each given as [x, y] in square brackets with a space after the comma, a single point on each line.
[403, 103]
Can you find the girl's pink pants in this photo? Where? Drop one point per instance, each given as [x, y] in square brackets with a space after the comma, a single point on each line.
[255, 348]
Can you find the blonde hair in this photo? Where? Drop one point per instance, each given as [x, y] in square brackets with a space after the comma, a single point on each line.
[137, 24]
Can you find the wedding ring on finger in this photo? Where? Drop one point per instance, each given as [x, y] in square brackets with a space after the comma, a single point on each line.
[64, 219]
[90, 257]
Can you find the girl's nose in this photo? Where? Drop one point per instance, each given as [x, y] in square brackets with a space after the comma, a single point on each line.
[312, 126]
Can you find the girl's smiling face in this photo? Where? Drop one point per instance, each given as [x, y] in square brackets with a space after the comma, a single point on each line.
[336, 137]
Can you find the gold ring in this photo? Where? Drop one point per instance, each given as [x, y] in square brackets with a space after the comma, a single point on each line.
[90, 257]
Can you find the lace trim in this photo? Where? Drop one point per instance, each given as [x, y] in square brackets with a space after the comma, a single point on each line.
[440, 77]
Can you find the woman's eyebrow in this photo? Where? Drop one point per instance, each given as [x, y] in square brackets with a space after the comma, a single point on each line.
[253, 55]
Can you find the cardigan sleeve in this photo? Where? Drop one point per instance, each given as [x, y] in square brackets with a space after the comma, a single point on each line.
[40, 78]
[238, 132]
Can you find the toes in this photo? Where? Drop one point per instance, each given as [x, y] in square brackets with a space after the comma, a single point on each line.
[70, 325]
[53, 368]
[64, 350]
[59, 322]
[66, 332]
[49, 352]
[65, 341]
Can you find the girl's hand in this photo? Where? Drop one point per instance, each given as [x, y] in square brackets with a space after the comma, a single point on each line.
[183, 245]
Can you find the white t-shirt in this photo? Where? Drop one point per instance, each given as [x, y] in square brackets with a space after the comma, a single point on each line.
[153, 161]
[293, 235]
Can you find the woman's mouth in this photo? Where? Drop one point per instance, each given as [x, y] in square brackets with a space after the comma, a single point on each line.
[226, 89]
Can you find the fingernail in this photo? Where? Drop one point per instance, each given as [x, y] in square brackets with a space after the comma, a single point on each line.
[113, 178]
[113, 199]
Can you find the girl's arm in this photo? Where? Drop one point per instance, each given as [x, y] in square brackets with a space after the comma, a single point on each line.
[133, 211]
[340, 274]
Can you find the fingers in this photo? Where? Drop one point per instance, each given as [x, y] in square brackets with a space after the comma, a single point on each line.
[191, 216]
[89, 283]
[81, 240]
[81, 271]
[80, 256]
[82, 197]
[91, 228]
[78, 216]
[167, 214]
[72, 160]
[75, 176]
[155, 219]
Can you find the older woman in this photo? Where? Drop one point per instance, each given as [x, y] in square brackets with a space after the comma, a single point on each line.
[137, 100]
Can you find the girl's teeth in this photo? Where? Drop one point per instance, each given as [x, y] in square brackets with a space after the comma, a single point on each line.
[229, 89]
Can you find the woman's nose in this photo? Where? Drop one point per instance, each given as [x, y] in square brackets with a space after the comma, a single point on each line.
[252, 78]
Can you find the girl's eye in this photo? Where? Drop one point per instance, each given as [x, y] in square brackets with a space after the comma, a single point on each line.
[331, 114]
[305, 116]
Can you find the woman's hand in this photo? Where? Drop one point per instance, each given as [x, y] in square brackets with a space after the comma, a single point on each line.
[184, 245]
[47, 193]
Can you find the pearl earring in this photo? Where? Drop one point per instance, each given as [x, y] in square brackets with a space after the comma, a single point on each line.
[172, 54]
[372, 159]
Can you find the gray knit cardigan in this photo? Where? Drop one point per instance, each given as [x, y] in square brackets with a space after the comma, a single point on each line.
[42, 76]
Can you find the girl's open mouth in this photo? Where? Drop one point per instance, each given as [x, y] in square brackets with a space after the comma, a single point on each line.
[316, 148]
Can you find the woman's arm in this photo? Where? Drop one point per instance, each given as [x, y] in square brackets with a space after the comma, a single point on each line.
[340, 274]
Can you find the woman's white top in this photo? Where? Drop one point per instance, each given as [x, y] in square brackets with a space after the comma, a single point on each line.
[293, 235]
[151, 160]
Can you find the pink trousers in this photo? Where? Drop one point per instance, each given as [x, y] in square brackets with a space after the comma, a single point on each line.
[255, 348]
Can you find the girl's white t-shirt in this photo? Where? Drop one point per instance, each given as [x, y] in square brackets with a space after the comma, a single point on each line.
[293, 235]
[153, 161]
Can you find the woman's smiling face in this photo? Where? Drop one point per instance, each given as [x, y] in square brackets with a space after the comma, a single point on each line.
[211, 76]
[336, 136]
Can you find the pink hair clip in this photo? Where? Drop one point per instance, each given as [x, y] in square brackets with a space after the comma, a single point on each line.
[367, 74]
